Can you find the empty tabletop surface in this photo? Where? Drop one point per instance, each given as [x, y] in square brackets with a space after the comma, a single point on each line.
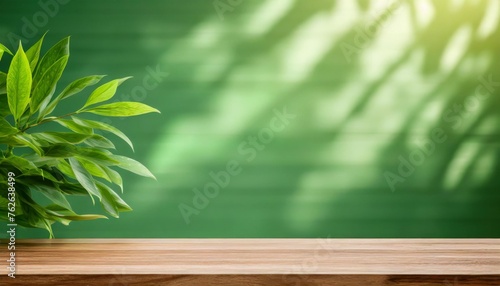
[258, 256]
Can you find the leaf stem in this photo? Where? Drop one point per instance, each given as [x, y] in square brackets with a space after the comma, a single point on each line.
[48, 120]
[8, 153]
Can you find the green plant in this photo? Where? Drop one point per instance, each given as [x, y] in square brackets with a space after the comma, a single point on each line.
[58, 164]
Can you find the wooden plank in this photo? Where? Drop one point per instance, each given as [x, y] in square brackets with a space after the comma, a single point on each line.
[254, 280]
[257, 261]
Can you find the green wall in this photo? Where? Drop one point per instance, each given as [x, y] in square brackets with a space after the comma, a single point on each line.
[375, 96]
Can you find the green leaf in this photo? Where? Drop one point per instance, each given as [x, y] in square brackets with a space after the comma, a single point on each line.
[102, 157]
[122, 109]
[70, 124]
[28, 140]
[3, 83]
[104, 92]
[99, 141]
[73, 88]
[48, 227]
[111, 202]
[36, 176]
[69, 214]
[33, 53]
[84, 177]
[121, 204]
[53, 194]
[61, 151]
[55, 53]
[114, 176]
[41, 161]
[6, 128]
[4, 49]
[133, 166]
[4, 203]
[107, 201]
[61, 137]
[66, 169]
[94, 169]
[80, 84]
[19, 84]
[47, 84]
[103, 126]
[73, 189]
[11, 140]
[21, 164]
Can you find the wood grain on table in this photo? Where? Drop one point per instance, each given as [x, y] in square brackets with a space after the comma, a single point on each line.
[445, 262]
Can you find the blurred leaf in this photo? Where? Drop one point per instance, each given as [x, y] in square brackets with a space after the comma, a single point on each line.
[11, 141]
[73, 189]
[94, 169]
[122, 109]
[61, 137]
[111, 202]
[132, 166]
[107, 200]
[39, 161]
[4, 203]
[69, 214]
[19, 84]
[84, 177]
[53, 194]
[103, 126]
[120, 203]
[6, 128]
[19, 163]
[99, 141]
[4, 106]
[4, 49]
[100, 156]
[3, 84]
[29, 141]
[114, 176]
[60, 150]
[70, 124]
[104, 92]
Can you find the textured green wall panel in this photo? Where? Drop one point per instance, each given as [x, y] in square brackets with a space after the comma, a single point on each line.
[366, 87]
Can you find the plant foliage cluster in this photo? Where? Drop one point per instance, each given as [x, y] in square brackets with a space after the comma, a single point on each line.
[78, 161]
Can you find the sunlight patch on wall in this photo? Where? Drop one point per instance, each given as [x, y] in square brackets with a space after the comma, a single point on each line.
[424, 13]
[484, 167]
[424, 112]
[456, 49]
[476, 64]
[323, 187]
[351, 149]
[266, 16]
[334, 107]
[306, 47]
[213, 50]
[458, 166]
[490, 21]
[456, 4]
[207, 34]
[387, 108]
[382, 51]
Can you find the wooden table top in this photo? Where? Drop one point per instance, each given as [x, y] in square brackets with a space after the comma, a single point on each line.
[252, 262]
[257, 256]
